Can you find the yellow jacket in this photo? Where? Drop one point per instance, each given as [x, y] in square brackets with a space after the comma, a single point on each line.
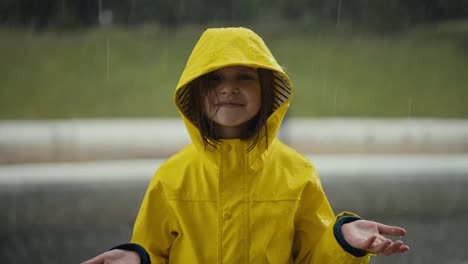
[226, 205]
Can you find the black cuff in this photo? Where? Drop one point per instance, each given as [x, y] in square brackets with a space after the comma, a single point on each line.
[144, 257]
[339, 236]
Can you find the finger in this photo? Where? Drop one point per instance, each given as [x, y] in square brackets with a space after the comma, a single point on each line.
[391, 230]
[403, 249]
[384, 244]
[392, 248]
[379, 246]
[95, 260]
[368, 244]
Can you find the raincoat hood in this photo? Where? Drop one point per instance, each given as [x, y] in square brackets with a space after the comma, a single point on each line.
[221, 47]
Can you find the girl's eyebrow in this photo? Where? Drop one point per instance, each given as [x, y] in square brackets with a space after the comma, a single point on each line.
[247, 71]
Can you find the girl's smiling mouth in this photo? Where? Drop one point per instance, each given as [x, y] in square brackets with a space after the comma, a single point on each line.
[229, 104]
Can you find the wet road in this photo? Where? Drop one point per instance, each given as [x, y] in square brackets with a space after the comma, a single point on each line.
[65, 223]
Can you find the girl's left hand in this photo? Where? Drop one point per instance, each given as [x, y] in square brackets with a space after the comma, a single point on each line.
[369, 236]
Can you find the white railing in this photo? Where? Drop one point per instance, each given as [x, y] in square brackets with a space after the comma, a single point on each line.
[81, 140]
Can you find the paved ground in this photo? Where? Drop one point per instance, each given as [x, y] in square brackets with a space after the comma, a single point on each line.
[68, 223]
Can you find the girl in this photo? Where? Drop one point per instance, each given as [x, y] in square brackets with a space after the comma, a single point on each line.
[237, 194]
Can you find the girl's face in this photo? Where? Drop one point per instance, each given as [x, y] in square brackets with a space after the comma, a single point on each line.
[234, 98]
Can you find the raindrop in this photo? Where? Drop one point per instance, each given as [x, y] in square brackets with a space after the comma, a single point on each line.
[108, 57]
[339, 13]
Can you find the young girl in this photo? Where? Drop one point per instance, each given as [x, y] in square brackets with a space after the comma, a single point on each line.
[237, 194]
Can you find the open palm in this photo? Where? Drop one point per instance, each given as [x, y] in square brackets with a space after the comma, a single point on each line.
[370, 236]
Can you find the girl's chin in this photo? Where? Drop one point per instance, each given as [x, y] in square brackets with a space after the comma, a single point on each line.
[240, 121]
[231, 124]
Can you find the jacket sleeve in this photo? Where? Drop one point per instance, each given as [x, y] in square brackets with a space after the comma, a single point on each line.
[314, 239]
[155, 227]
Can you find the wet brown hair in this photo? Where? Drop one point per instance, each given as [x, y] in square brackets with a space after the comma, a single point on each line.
[257, 127]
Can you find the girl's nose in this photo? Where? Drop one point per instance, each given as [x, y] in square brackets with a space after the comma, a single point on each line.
[229, 88]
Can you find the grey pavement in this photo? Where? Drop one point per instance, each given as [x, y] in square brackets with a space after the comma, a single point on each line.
[69, 212]
[68, 223]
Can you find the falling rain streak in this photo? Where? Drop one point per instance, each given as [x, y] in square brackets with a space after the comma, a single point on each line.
[339, 13]
[107, 58]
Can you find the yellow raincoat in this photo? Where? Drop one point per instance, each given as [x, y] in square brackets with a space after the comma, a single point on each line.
[227, 205]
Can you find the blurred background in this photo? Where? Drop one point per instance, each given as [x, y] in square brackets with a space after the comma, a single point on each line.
[86, 113]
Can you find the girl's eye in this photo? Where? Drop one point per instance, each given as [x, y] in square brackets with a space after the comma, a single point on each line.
[246, 77]
[214, 77]
[214, 80]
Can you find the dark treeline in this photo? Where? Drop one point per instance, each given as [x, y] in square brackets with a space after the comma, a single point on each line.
[378, 14]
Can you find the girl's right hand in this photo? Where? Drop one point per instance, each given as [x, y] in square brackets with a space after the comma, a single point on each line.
[115, 256]
[370, 236]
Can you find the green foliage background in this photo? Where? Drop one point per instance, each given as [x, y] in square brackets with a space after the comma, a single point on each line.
[337, 70]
